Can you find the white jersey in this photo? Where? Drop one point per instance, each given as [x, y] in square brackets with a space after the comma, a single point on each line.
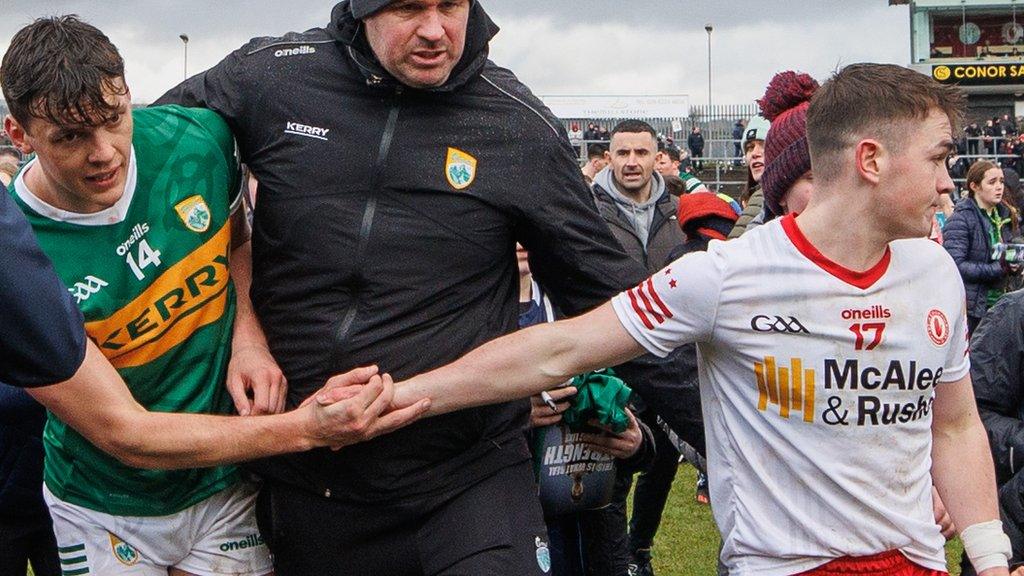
[817, 385]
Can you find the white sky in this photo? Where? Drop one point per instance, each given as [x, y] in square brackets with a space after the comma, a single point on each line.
[601, 47]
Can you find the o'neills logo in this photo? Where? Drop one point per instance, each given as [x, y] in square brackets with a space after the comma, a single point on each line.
[250, 541]
[938, 327]
[304, 49]
[877, 312]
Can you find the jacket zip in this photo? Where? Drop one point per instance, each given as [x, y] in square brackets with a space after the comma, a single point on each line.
[368, 213]
[656, 223]
[364, 230]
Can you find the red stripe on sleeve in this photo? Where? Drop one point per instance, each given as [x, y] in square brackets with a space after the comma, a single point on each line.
[647, 304]
[657, 299]
[639, 311]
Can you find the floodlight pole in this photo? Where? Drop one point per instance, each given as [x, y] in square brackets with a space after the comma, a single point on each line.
[709, 28]
[184, 39]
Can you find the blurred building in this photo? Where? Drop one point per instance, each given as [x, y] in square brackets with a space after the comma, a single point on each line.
[978, 44]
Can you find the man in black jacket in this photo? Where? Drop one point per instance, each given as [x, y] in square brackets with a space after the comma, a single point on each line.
[695, 142]
[397, 168]
[997, 372]
[641, 214]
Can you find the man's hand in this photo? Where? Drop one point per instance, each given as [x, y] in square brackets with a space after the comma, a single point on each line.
[252, 370]
[1001, 572]
[1018, 572]
[619, 446]
[355, 407]
[942, 518]
[542, 415]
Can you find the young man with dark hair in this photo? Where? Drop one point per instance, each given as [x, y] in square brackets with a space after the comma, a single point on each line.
[668, 163]
[139, 212]
[596, 161]
[835, 394]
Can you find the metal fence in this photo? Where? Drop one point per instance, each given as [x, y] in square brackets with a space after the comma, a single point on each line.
[719, 166]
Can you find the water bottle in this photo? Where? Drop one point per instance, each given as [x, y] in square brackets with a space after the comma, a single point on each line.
[1012, 253]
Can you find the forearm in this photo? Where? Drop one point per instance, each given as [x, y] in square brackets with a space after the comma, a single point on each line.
[512, 367]
[97, 404]
[523, 363]
[962, 472]
[974, 271]
[247, 330]
[169, 441]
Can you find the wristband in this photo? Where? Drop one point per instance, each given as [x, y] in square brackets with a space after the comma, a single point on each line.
[986, 545]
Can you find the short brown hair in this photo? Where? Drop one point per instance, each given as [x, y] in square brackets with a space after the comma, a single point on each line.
[976, 173]
[875, 101]
[59, 69]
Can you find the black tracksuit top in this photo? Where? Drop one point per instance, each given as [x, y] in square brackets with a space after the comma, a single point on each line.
[364, 251]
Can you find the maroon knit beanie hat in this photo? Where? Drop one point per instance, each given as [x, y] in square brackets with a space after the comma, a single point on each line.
[786, 157]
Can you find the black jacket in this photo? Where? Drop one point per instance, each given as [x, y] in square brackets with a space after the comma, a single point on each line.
[997, 372]
[695, 142]
[966, 238]
[679, 369]
[365, 251]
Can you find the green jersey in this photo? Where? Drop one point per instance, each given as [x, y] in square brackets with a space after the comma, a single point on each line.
[150, 275]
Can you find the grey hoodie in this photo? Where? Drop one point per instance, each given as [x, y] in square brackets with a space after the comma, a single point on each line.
[639, 215]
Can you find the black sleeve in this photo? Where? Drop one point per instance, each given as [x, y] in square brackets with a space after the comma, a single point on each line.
[222, 89]
[42, 339]
[572, 253]
[996, 349]
[1011, 512]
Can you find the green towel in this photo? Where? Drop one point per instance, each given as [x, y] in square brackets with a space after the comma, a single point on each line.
[601, 396]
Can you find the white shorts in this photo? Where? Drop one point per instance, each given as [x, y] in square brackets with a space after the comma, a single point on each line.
[215, 537]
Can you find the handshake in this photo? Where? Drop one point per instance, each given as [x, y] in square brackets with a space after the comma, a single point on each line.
[356, 406]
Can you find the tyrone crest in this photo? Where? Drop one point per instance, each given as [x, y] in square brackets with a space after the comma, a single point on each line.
[937, 327]
[459, 168]
[194, 213]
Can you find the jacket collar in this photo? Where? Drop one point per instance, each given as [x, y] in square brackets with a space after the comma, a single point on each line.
[664, 208]
[349, 31]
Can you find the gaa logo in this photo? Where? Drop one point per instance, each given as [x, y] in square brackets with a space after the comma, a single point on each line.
[777, 324]
[938, 327]
[87, 287]
[941, 73]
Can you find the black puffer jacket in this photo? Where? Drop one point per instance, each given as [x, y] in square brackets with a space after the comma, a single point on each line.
[966, 238]
[374, 243]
